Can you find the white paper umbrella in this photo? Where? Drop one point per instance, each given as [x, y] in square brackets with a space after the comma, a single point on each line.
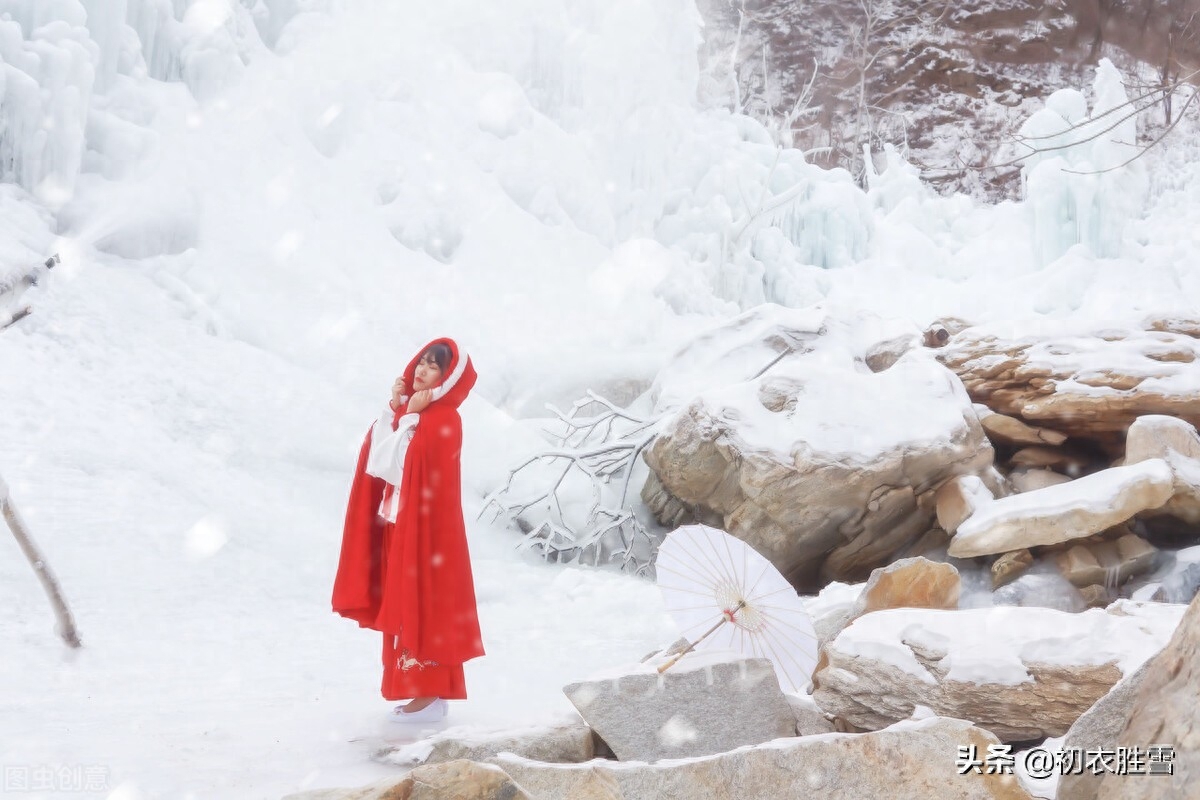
[727, 596]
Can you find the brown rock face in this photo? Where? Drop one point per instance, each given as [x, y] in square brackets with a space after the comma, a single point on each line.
[910, 583]
[1010, 566]
[1165, 711]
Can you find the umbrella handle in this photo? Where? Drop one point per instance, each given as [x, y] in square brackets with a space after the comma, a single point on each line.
[691, 646]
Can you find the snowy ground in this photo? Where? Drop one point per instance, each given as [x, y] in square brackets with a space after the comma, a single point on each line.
[244, 274]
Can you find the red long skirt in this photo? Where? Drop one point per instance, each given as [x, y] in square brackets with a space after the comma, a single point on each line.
[405, 677]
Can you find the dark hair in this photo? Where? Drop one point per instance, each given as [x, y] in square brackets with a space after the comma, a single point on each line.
[440, 353]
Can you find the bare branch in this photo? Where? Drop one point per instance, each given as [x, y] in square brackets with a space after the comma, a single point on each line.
[1141, 152]
[597, 451]
[66, 623]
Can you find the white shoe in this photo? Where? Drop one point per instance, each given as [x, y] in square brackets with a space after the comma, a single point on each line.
[433, 712]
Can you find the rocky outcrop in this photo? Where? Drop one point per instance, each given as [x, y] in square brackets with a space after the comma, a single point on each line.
[781, 436]
[1005, 669]
[910, 761]
[1091, 385]
[1164, 711]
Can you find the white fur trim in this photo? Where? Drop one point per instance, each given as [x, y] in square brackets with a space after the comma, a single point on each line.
[455, 374]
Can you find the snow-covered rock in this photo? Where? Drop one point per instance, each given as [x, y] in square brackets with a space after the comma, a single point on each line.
[958, 499]
[568, 742]
[1080, 379]
[706, 703]
[1073, 510]
[913, 760]
[1003, 429]
[779, 433]
[1022, 673]
[1163, 711]
[1176, 442]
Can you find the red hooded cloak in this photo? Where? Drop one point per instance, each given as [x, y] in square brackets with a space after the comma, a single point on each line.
[411, 579]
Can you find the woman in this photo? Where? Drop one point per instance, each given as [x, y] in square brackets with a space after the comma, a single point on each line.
[404, 569]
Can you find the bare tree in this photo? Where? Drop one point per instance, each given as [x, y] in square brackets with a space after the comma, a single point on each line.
[601, 449]
[871, 27]
[66, 623]
[10, 292]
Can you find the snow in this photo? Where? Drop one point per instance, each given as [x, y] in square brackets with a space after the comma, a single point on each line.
[836, 405]
[263, 208]
[994, 645]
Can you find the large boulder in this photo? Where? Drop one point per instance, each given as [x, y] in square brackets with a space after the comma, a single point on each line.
[708, 702]
[1072, 510]
[1098, 728]
[1177, 443]
[778, 432]
[910, 583]
[1164, 711]
[1022, 673]
[914, 760]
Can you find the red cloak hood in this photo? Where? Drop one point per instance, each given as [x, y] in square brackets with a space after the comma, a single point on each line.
[413, 578]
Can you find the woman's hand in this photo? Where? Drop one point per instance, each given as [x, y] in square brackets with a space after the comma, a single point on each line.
[399, 389]
[419, 401]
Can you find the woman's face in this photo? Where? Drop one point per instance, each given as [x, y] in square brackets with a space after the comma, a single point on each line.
[428, 374]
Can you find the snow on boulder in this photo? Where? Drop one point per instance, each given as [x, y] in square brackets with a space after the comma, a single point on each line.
[958, 499]
[1073, 510]
[913, 760]
[708, 702]
[1021, 673]
[1080, 379]
[1177, 443]
[777, 431]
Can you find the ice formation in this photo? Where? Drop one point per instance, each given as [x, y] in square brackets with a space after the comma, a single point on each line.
[1081, 182]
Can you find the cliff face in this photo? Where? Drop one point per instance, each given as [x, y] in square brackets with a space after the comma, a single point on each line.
[950, 81]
